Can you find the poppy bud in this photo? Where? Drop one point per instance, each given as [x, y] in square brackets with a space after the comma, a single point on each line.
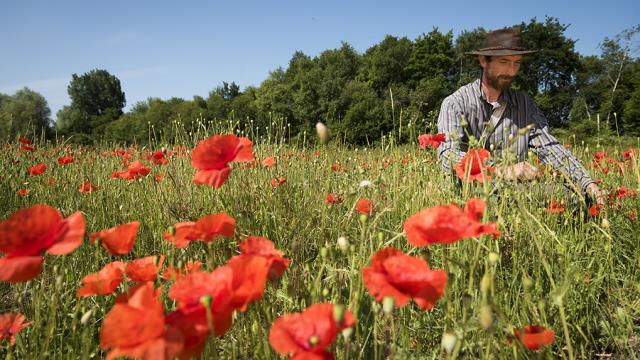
[485, 283]
[338, 313]
[325, 292]
[449, 341]
[323, 252]
[527, 282]
[85, 317]
[313, 340]
[387, 304]
[363, 218]
[486, 317]
[380, 236]
[375, 307]
[493, 258]
[206, 301]
[605, 223]
[346, 333]
[323, 132]
[343, 243]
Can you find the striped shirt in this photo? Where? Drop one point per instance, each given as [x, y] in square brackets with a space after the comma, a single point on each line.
[521, 128]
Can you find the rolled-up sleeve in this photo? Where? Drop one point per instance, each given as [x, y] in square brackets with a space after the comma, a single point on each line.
[552, 153]
[450, 124]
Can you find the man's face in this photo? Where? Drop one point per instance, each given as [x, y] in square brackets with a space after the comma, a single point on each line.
[501, 70]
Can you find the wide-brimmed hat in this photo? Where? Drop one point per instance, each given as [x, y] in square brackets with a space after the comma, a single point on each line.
[501, 43]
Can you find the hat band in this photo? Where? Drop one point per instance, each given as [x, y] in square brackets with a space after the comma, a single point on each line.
[502, 48]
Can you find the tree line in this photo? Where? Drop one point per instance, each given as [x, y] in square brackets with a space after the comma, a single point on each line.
[361, 97]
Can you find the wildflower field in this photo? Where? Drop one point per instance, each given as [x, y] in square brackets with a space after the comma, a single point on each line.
[228, 247]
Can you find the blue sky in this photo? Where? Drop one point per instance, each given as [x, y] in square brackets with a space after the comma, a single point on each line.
[185, 48]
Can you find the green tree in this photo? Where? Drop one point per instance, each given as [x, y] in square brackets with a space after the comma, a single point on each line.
[364, 120]
[548, 74]
[96, 100]
[385, 64]
[432, 55]
[24, 113]
[466, 66]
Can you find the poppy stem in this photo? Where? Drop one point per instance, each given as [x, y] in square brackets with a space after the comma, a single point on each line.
[565, 328]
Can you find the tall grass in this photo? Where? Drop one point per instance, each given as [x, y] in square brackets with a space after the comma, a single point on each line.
[577, 275]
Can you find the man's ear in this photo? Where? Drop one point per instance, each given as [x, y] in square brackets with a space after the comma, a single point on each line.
[482, 60]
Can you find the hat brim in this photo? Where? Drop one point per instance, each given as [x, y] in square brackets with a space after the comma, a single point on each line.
[501, 52]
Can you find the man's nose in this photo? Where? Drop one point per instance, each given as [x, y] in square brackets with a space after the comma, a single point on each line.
[513, 70]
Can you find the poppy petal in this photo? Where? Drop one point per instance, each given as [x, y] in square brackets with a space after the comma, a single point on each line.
[72, 238]
[215, 178]
[20, 268]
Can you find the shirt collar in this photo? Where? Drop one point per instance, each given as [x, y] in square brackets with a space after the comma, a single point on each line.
[504, 97]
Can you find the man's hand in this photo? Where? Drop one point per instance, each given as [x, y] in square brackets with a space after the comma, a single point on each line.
[522, 171]
[596, 194]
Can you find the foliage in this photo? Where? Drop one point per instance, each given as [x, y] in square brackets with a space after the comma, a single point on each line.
[96, 100]
[25, 113]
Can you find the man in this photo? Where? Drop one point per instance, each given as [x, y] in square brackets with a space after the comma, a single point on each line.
[505, 120]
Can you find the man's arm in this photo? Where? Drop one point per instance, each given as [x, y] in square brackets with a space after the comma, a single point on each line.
[554, 154]
[450, 124]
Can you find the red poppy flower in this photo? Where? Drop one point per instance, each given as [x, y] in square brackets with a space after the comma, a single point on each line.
[269, 161]
[86, 187]
[64, 160]
[158, 177]
[158, 158]
[23, 192]
[27, 148]
[448, 224]
[260, 246]
[595, 209]
[137, 169]
[180, 235]
[144, 269]
[534, 337]
[474, 163]
[51, 181]
[24, 140]
[212, 157]
[631, 153]
[432, 141]
[175, 273]
[249, 279]
[393, 273]
[337, 167]
[195, 329]
[37, 169]
[365, 206]
[622, 192]
[27, 233]
[137, 328]
[104, 282]
[555, 207]
[10, 325]
[205, 229]
[306, 335]
[193, 291]
[117, 240]
[275, 182]
[599, 155]
[333, 199]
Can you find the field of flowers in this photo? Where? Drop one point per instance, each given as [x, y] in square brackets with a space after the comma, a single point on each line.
[224, 248]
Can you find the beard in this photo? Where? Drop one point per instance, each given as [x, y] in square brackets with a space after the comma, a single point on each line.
[500, 82]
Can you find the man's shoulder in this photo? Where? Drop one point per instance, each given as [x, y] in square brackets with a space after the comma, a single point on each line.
[466, 94]
[519, 97]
